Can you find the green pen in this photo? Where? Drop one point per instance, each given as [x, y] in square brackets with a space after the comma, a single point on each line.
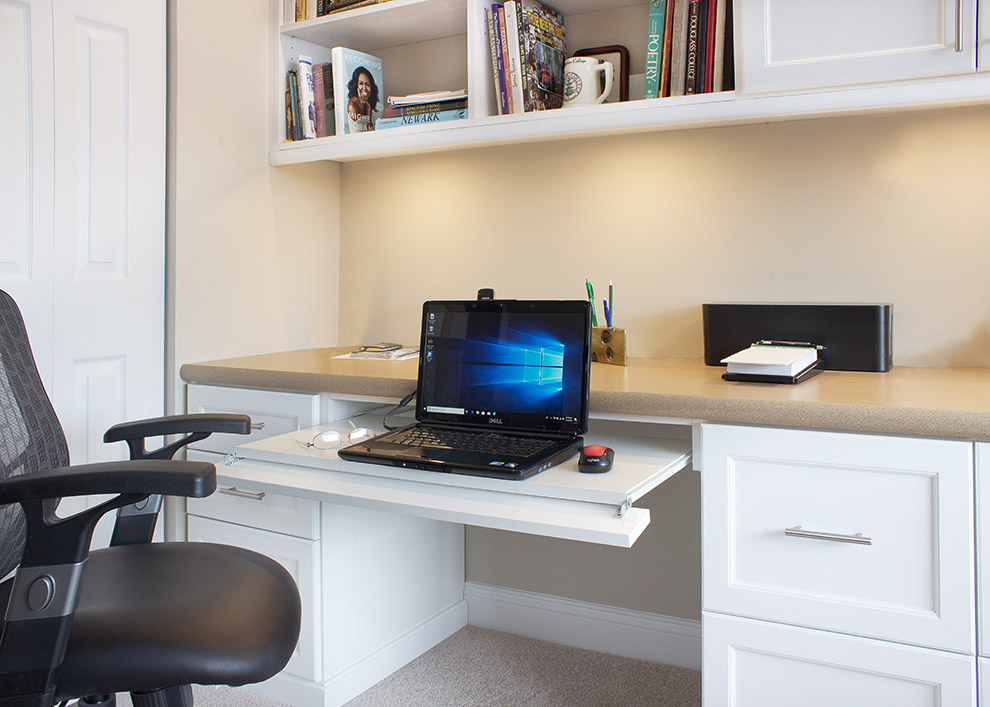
[591, 298]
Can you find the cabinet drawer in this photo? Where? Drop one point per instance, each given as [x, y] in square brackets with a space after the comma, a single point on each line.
[751, 663]
[863, 534]
[983, 549]
[301, 558]
[244, 505]
[272, 412]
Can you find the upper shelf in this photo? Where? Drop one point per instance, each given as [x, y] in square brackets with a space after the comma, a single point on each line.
[677, 113]
[408, 21]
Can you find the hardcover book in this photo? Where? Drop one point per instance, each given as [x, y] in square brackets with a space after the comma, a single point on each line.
[395, 111]
[358, 90]
[542, 50]
[307, 102]
[499, 60]
[693, 50]
[319, 100]
[504, 51]
[422, 118]
[514, 87]
[678, 48]
[654, 49]
[328, 105]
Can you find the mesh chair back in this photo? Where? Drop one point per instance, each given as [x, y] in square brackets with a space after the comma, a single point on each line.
[31, 438]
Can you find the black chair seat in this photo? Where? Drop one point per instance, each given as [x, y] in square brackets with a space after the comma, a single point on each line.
[153, 616]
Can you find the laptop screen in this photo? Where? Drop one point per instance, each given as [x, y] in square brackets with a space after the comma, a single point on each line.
[521, 365]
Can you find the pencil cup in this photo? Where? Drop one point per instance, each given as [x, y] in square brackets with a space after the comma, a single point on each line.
[608, 345]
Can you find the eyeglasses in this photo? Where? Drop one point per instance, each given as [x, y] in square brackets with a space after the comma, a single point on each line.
[331, 439]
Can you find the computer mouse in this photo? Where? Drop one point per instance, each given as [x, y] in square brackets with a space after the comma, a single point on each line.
[595, 459]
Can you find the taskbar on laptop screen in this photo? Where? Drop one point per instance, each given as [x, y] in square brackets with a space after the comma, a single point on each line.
[504, 363]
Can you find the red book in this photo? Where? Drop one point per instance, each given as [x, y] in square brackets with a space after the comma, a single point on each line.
[666, 47]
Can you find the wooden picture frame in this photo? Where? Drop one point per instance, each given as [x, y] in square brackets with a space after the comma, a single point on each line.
[619, 56]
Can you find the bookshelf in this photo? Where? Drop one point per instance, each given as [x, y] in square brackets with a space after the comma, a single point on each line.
[442, 44]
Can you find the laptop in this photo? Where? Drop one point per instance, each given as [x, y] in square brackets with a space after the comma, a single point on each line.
[502, 390]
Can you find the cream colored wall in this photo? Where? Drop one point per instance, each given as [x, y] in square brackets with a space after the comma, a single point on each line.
[885, 208]
[253, 248]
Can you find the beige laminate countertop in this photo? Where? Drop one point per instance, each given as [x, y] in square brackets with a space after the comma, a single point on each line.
[952, 403]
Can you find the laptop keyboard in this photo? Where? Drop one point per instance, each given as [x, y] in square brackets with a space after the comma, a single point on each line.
[472, 441]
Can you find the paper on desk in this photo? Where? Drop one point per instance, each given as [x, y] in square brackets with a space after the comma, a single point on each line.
[396, 355]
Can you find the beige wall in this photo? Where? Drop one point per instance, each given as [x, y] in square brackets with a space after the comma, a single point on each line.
[252, 249]
[879, 208]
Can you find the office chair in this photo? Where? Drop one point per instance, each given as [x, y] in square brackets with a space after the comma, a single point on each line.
[140, 617]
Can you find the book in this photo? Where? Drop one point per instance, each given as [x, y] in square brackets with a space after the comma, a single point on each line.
[678, 47]
[427, 97]
[493, 50]
[328, 104]
[307, 102]
[771, 360]
[358, 90]
[504, 51]
[728, 55]
[666, 48]
[691, 51]
[654, 47]
[710, 27]
[542, 50]
[353, 5]
[288, 12]
[718, 70]
[499, 59]
[395, 111]
[294, 101]
[514, 67]
[300, 10]
[290, 128]
[319, 100]
[699, 76]
[421, 118]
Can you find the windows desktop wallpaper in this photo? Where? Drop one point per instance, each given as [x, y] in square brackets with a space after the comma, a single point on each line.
[515, 364]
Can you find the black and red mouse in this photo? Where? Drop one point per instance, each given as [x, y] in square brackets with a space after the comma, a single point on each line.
[595, 459]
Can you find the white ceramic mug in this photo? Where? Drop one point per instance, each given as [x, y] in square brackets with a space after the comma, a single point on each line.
[581, 82]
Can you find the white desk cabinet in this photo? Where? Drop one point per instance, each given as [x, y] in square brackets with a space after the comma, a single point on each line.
[855, 534]
[786, 45]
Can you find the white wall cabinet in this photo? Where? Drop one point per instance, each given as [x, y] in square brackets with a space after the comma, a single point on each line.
[983, 38]
[792, 45]
[885, 55]
[860, 535]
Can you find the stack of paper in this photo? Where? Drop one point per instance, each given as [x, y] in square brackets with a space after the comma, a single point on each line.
[770, 360]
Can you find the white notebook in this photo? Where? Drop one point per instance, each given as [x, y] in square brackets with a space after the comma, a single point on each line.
[771, 360]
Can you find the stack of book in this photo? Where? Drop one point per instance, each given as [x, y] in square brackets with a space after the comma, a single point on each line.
[772, 362]
[688, 48]
[309, 102]
[422, 108]
[526, 39]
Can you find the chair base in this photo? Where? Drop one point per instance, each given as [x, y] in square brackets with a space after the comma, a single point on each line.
[97, 701]
[178, 696]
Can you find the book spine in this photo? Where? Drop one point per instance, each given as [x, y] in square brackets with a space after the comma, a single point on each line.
[328, 105]
[654, 45]
[666, 48]
[515, 65]
[288, 12]
[503, 101]
[395, 111]
[353, 5]
[421, 118]
[307, 102]
[319, 100]
[718, 72]
[710, 27]
[290, 129]
[300, 10]
[294, 88]
[493, 49]
[321, 8]
[691, 61]
[699, 80]
[678, 48]
[339, 91]
[504, 44]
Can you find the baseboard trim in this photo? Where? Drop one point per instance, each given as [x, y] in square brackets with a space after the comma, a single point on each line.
[607, 629]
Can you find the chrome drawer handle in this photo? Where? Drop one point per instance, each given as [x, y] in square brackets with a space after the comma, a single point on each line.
[959, 26]
[857, 539]
[257, 425]
[234, 491]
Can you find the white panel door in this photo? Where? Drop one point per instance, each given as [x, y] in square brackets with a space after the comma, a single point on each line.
[983, 38]
[109, 218]
[27, 165]
[784, 45]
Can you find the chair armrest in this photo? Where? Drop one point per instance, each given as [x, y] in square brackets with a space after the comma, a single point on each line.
[179, 424]
[142, 477]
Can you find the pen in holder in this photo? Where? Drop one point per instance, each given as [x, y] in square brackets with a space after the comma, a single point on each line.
[608, 345]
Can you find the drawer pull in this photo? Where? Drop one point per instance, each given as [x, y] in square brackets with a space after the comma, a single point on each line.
[959, 26]
[257, 425]
[234, 491]
[798, 532]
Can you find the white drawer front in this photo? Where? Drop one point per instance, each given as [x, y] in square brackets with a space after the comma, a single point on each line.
[248, 506]
[274, 412]
[909, 498]
[751, 663]
[983, 548]
[301, 558]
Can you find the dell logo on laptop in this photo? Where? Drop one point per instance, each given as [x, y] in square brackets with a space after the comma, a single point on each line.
[494, 421]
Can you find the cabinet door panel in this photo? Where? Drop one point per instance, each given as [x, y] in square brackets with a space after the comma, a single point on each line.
[758, 664]
[797, 44]
[302, 560]
[983, 547]
[907, 577]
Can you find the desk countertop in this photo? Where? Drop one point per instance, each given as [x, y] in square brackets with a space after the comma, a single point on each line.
[952, 403]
